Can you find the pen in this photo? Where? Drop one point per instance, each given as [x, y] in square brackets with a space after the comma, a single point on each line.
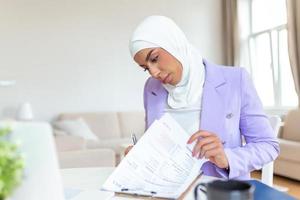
[136, 192]
[133, 137]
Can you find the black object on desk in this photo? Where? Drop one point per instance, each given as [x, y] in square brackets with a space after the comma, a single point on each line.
[225, 190]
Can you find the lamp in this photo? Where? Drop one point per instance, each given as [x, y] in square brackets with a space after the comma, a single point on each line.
[25, 112]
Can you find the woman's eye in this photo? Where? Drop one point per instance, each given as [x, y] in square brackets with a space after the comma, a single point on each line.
[154, 59]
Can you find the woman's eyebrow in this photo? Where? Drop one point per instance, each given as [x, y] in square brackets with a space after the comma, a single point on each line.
[148, 55]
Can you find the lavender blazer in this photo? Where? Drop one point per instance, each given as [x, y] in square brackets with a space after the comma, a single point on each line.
[230, 108]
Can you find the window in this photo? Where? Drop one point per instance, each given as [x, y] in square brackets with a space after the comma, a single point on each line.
[268, 52]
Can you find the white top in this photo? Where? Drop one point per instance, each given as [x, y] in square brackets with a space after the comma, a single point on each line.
[188, 118]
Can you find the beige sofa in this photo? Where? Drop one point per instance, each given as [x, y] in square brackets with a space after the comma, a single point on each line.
[113, 130]
[288, 162]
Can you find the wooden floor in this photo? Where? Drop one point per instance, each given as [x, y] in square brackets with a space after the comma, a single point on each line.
[292, 185]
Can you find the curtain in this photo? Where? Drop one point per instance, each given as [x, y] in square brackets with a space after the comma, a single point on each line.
[230, 21]
[293, 23]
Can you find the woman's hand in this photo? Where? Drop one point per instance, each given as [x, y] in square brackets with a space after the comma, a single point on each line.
[209, 146]
[128, 149]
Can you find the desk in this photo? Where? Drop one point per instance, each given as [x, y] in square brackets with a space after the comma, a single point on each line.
[84, 184]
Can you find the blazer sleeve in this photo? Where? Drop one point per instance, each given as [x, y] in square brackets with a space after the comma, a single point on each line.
[145, 98]
[261, 143]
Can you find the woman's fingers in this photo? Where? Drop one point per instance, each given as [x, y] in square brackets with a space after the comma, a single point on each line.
[210, 146]
[206, 148]
[202, 142]
[212, 153]
[206, 142]
[128, 149]
[198, 134]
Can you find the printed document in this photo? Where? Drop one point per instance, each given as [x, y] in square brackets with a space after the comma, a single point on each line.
[159, 165]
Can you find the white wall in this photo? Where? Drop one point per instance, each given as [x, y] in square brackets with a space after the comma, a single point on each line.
[72, 55]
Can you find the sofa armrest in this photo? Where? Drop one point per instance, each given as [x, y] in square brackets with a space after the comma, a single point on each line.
[87, 158]
[69, 143]
[289, 150]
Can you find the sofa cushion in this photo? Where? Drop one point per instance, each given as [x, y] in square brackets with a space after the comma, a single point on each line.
[291, 129]
[104, 124]
[132, 122]
[289, 150]
[77, 127]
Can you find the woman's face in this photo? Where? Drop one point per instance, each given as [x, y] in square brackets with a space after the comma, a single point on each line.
[160, 64]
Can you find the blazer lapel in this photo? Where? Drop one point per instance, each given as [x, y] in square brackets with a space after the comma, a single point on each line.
[213, 111]
[157, 97]
[215, 93]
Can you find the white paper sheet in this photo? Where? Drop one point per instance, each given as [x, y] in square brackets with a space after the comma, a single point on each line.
[160, 164]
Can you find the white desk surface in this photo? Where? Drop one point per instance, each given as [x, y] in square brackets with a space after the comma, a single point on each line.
[84, 184]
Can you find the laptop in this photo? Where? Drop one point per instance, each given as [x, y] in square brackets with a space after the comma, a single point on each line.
[42, 179]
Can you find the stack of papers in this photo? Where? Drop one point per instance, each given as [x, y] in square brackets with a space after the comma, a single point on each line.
[159, 165]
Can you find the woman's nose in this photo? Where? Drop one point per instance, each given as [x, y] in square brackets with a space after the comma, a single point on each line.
[154, 71]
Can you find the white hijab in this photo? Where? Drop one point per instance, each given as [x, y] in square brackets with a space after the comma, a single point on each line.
[160, 31]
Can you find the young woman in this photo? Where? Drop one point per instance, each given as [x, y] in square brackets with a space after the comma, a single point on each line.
[216, 105]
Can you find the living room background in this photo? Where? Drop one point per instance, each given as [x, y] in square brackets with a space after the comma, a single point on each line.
[72, 56]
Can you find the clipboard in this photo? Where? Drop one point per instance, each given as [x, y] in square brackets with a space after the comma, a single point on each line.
[149, 195]
[164, 170]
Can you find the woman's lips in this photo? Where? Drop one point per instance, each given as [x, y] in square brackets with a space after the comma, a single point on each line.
[167, 79]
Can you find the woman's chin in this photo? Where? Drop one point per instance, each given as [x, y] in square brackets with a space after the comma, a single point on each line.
[169, 80]
[174, 82]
